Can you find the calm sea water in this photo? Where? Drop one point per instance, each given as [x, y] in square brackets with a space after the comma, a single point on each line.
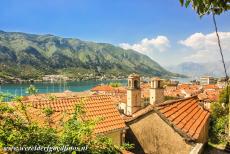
[47, 87]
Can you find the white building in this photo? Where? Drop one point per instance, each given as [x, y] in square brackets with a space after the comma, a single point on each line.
[205, 80]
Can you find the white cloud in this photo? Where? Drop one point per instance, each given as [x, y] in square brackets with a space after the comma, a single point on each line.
[205, 48]
[194, 41]
[146, 46]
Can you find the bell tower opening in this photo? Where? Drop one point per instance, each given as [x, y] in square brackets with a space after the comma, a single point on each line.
[136, 84]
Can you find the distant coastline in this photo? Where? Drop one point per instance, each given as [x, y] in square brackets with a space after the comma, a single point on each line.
[48, 87]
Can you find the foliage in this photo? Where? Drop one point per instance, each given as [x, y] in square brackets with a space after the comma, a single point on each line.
[31, 90]
[52, 97]
[3, 96]
[80, 134]
[17, 130]
[224, 96]
[170, 98]
[48, 112]
[204, 7]
[220, 109]
[115, 84]
[219, 119]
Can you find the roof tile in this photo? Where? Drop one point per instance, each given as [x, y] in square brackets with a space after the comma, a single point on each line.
[185, 115]
[95, 106]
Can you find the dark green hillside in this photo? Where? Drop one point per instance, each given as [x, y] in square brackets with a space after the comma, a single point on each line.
[31, 56]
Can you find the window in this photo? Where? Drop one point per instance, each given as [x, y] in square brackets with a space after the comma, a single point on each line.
[136, 84]
[159, 84]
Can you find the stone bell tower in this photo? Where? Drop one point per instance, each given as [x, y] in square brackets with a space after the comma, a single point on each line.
[133, 94]
[156, 91]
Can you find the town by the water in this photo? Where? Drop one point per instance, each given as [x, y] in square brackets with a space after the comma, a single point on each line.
[148, 111]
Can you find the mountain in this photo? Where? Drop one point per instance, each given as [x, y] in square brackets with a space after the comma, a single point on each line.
[200, 69]
[32, 56]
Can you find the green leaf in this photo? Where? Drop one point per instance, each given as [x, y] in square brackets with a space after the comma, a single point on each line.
[182, 2]
[187, 3]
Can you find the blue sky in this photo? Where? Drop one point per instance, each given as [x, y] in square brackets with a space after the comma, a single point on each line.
[116, 22]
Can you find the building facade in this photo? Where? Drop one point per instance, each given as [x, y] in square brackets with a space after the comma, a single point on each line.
[205, 80]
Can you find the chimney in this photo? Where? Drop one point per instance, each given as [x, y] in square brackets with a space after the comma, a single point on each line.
[156, 91]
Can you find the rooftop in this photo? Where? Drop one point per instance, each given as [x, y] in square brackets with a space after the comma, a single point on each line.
[185, 115]
[102, 88]
[108, 88]
[66, 94]
[211, 86]
[95, 106]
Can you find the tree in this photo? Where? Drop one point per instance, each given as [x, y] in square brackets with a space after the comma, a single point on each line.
[219, 118]
[31, 90]
[203, 7]
[18, 130]
[80, 133]
[115, 84]
[216, 7]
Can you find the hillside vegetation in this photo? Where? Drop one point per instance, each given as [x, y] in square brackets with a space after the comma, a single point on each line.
[32, 56]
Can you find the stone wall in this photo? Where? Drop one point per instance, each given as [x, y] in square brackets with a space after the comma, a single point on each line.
[133, 100]
[116, 137]
[152, 135]
[156, 95]
[203, 138]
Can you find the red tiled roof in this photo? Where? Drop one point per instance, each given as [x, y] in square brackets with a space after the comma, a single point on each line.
[65, 94]
[212, 95]
[145, 85]
[102, 88]
[173, 93]
[210, 86]
[186, 115]
[183, 86]
[120, 89]
[182, 90]
[189, 86]
[109, 90]
[96, 106]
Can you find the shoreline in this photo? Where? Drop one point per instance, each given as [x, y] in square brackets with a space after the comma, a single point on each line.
[31, 81]
[56, 81]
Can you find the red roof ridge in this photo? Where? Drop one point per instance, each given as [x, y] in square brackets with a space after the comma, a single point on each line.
[95, 106]
[66, 98]
[186, 116]
[175, 101]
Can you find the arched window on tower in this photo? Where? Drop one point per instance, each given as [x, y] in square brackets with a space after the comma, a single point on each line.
[136, 84]
[159, 84]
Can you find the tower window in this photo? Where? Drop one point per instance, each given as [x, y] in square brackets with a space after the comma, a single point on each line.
[136, 84]
[159, 84]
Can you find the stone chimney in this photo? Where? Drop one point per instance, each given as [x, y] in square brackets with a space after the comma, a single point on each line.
[156, 91]
[133, 94]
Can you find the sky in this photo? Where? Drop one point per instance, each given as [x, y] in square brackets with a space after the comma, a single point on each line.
[166, 32]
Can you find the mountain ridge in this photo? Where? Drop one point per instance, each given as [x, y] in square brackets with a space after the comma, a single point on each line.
[194, 69]
[26, 56]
